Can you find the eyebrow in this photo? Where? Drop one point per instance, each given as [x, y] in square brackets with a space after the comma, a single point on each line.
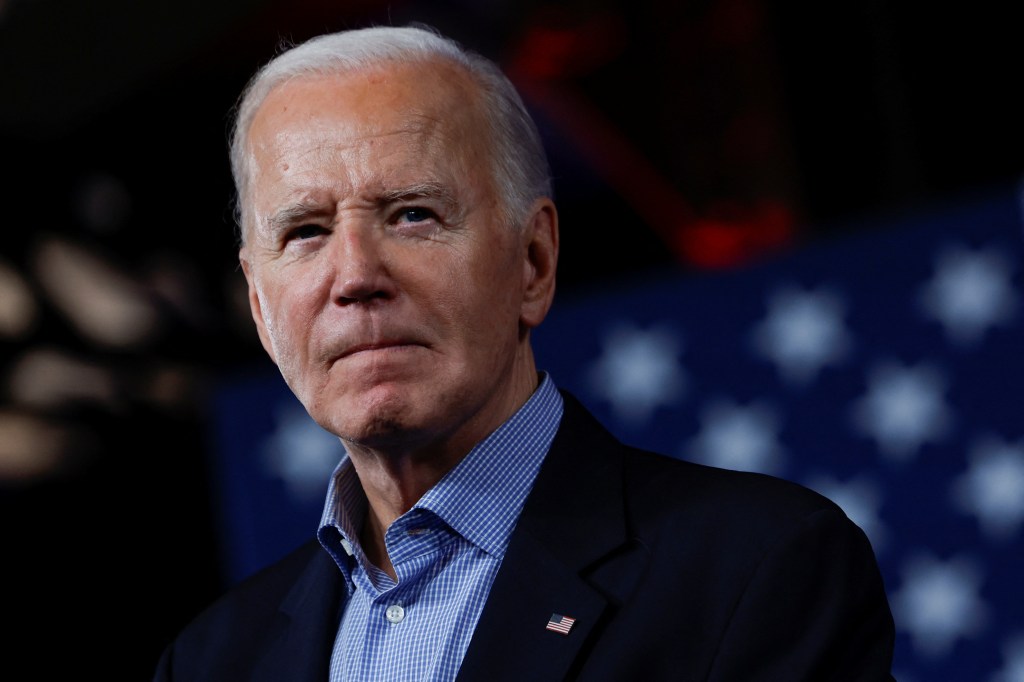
[421, 190]
[295, 213]
[304, 210]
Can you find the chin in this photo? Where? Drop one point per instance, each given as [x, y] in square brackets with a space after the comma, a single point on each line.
[372, 421]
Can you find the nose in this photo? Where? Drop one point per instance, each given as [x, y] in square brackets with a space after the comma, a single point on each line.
[361, 272]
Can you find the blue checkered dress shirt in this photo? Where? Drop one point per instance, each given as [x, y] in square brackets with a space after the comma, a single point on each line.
[445, 551]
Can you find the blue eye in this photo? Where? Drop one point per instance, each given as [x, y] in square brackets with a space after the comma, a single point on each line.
[415, 215]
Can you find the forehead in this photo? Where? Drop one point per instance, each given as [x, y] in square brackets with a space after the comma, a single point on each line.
[422, 105]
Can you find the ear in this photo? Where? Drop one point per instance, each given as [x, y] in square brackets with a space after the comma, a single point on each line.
[254, 304]
[540, 241]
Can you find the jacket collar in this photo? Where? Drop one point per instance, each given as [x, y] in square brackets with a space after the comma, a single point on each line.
[300, 648]
[571, 539]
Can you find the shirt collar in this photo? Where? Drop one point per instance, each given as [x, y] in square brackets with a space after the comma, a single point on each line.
[481, 497]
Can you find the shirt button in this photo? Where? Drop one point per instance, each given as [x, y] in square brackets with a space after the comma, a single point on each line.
[395, 613]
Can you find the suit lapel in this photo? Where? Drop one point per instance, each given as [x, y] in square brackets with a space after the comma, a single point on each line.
[299, 649]
[572, 524]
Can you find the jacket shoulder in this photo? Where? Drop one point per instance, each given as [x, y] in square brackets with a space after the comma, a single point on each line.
[678, 503]
[225, 635]
[667, 483]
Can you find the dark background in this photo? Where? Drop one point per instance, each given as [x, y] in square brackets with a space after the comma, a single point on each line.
[685, 136]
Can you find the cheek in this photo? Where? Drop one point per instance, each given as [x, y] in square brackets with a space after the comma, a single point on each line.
[289, 338]
[283, 316]
[291, 297]
[491, 296]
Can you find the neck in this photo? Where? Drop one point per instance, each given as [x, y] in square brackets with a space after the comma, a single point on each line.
[393, 484]
[394, 478]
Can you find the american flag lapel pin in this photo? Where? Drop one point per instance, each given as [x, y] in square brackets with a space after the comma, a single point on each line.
[560, 624]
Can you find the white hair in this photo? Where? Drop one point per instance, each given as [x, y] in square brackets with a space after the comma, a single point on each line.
[519, 165]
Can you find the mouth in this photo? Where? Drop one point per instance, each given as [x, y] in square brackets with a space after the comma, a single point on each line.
[378, 346]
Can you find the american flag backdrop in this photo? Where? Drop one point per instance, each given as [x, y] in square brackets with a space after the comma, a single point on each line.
[884, 369]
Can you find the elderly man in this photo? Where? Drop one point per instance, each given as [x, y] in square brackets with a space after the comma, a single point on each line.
[400, 242]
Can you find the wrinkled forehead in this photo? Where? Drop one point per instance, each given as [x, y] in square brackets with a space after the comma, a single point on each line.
[301, 138]
[413, 97]
[425, 108]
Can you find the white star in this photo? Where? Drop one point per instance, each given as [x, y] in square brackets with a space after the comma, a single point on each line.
[860, 498]
[301, 453]
[969, 293]
[740, 438]
[1013, 660]
[993, 487]
[903, 408]
[638, 371]
[939, 603]
[802, 333]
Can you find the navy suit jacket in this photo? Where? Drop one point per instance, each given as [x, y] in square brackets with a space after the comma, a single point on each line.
[672, 571]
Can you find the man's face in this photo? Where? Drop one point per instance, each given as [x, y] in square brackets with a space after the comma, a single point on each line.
[382, 281]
